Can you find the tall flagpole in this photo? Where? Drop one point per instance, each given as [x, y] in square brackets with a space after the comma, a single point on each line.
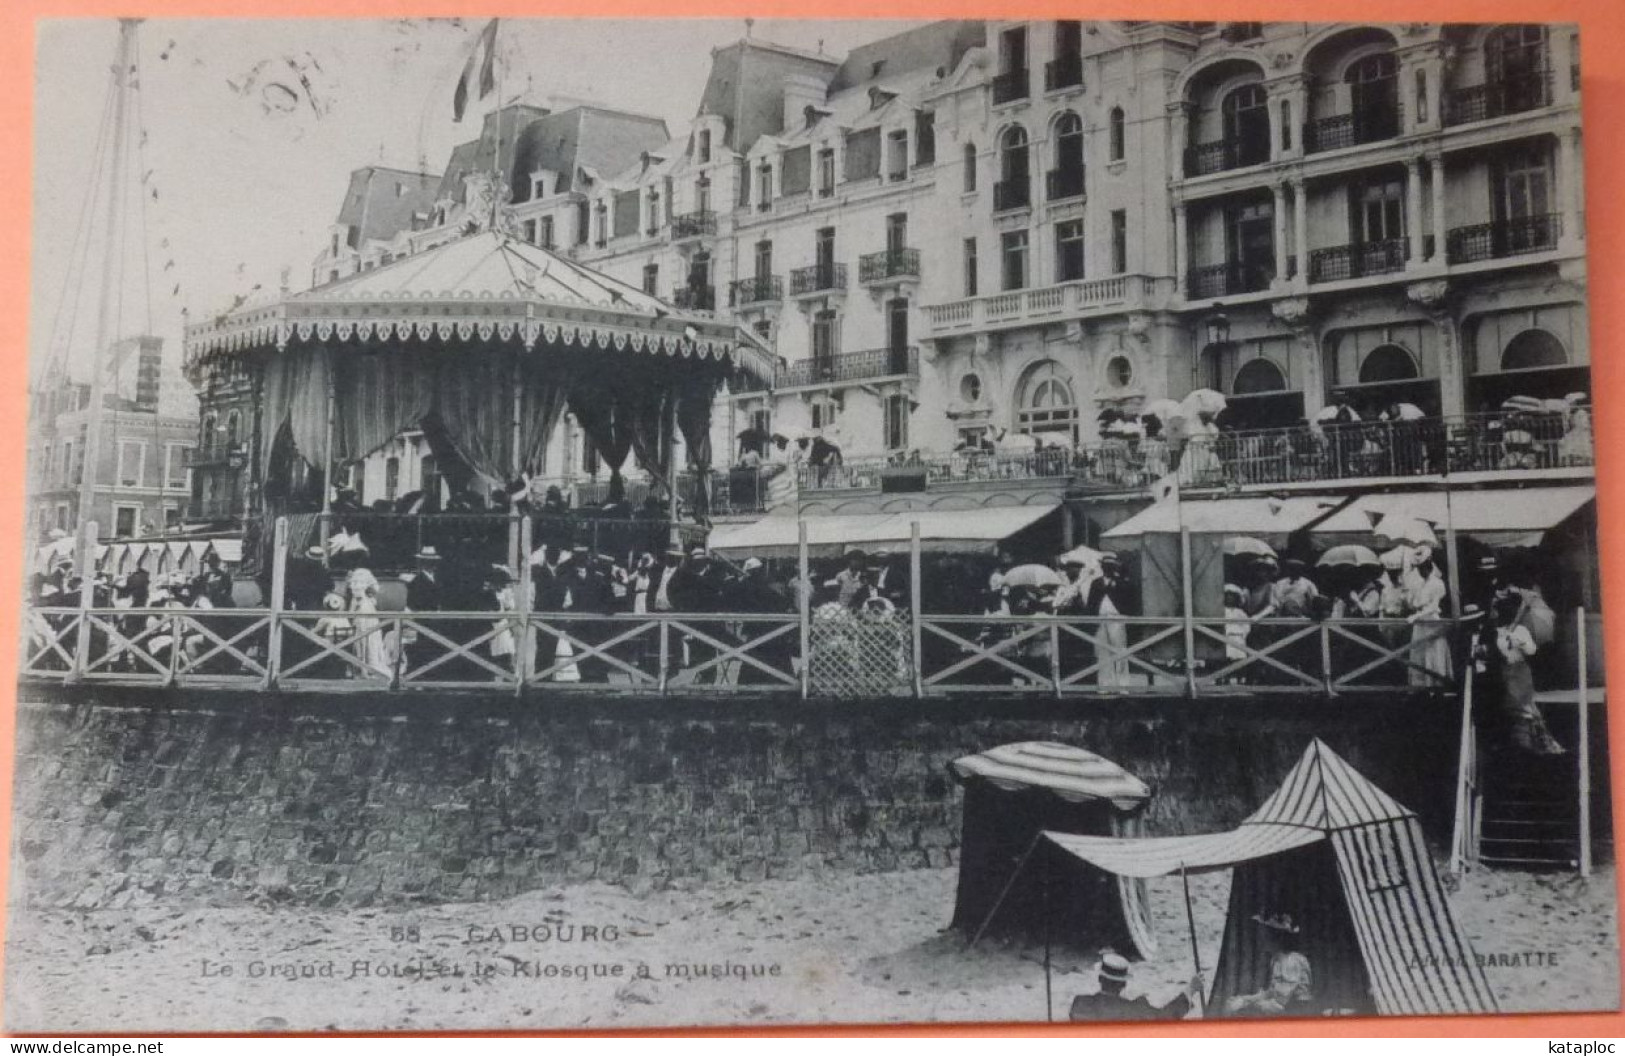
[104, 314]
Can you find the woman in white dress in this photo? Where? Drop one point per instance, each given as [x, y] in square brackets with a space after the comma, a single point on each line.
[371, 647]
[1430, 643]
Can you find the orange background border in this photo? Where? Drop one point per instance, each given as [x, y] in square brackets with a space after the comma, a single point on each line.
[1602, 42]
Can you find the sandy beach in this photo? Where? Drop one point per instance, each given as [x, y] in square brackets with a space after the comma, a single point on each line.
[869, 948]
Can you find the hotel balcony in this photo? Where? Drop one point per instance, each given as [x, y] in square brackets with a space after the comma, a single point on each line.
[695, 298]
[1503, 238]
[888, 264]
[1226, 280]
[1510, 95]
[1357, 260]
[215, 454]
[818, 279]
[759, 289]
[870, 365]
[1483, 443]
[1064, 72]
[1044, 304]
[1063, 183]
[1222, 155]
[1008, 87]
[701, 223]
[1351, 130]
[1012, 194]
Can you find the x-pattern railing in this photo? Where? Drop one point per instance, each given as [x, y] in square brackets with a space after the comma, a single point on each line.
[663, 652]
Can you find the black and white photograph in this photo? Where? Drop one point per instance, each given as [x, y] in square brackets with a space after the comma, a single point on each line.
[541, 524]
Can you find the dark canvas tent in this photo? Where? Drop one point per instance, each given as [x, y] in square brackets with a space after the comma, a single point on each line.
[1017, 791]
[1349, 865]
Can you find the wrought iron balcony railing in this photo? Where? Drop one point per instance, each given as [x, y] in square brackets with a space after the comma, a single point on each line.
[1063, 183]
[1350, 130]
[1336, 263]
[1012, 194]
[889, 264]
[1296, 454]
[1008, 87]
[1064, 72]
[817, 279]
[1227, 280]
[851, 366]
[1512, 94]
[214, 454]
[695, 298]
[758, 289]
[698, 224]
[1503, 238]
[1223, 155]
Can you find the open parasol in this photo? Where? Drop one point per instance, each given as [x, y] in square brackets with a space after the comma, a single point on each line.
[1337, 412]
[1202, 401]
[1247, 546]
[1398, 528]
[1524, 404]
[1350, 555]
[1408, 412]
[1033, 576]
[1081, 555]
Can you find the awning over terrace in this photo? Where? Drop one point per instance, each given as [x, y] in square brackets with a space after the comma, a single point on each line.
[1500, 517]
[1238, 516]
[941, 531]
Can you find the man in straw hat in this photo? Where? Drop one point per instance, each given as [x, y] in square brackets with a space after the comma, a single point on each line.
[1110, 1004]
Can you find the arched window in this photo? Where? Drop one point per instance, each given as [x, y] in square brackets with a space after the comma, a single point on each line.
[1513, 51]
[1374, 96]
[1533, 349]
[970, 167]
[1388, 363]
[1515, 67]
[1256, 376]
[1241, 107]
[234, 422]
[1044, 402]
[1069, 143]
[1116, 124]
[1013, 155]
[207, 437]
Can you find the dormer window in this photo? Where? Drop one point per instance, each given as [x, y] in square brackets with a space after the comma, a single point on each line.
[538, 185]
[813, 115]
[704, 150]
[879, 97]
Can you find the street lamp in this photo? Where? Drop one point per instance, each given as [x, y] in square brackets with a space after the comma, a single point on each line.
[1218, 329]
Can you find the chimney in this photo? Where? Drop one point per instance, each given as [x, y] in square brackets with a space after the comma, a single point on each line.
[801, 92]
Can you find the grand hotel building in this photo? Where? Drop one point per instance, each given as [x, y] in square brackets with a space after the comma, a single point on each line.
[976, 229]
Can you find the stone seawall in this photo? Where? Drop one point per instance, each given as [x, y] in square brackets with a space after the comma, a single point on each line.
[125, 798]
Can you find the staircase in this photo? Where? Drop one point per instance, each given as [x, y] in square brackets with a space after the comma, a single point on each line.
[1516, 810]
[1529, 812]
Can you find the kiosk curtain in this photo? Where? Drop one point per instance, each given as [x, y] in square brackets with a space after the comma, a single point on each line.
[694, 420]
[383, 396]
[607, 421]
[474, 400]
[295, 390]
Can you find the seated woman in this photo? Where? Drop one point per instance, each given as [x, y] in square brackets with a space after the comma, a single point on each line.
[1291, 987]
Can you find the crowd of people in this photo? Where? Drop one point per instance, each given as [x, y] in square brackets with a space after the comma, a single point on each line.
[139, 591]
[1207, 444]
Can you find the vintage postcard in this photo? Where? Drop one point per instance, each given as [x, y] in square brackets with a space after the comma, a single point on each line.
[544, 524]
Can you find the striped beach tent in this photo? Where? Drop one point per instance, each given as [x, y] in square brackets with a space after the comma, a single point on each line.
[1332, 867]
[1013, 794]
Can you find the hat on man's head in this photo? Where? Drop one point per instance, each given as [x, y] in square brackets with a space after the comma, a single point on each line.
[1113, 968]
[1292, 564]
[752, 564]
[1488, 563]
[315, 551]
[1109, 558]
[674, 551]
[698, 552]
[428, 553]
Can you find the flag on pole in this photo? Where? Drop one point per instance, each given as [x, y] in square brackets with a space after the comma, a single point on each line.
[486, 43]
